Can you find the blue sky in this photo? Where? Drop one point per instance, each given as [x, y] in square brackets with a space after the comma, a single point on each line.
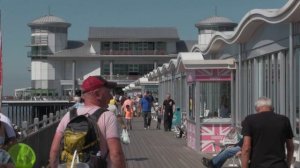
[182, 14]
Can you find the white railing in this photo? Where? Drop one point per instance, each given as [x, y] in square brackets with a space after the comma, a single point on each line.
[26, 129]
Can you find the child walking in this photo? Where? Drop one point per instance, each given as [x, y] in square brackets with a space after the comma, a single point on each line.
[159, 116]
[128, 116]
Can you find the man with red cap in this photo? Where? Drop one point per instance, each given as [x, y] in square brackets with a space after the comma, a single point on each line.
[96, 94]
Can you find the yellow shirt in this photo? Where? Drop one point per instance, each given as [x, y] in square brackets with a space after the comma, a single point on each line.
[112, 102]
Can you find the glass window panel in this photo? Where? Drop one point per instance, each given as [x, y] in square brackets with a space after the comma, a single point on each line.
[161, 46]
[150, 45]
[215, 99]
[105, 46]
[106, 69]
[116, 46]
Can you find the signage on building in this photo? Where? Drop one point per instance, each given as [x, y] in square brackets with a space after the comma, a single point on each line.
[209, 75]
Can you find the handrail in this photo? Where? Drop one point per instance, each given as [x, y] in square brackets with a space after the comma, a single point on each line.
[27, 130]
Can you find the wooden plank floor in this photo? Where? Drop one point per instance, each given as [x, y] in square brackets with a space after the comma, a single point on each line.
[158, 149]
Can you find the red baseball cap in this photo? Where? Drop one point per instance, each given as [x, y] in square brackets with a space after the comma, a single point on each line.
[94, 82]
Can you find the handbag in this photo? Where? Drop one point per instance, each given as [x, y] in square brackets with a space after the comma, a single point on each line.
[125, 137]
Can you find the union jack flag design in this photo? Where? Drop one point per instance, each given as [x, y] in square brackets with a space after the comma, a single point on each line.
[213, 133]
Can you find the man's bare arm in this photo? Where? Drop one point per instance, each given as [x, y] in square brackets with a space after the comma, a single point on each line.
[290, 151]
[53, 160]
[246, 149]
[116, 153]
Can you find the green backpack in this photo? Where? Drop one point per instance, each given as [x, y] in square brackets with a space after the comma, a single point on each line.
[81, 134]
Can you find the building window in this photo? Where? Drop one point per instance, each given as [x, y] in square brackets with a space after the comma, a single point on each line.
[39, 39]
[133, 68]
[128, 69]
[215, 99]
[132, 48]
[105, 46]
[115, 46]
[161, 46]
[120, 69]
[145, 68]
[40, 50]
[105, 70]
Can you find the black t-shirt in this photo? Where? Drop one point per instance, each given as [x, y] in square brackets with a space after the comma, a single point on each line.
[168, 105]
[268, 132]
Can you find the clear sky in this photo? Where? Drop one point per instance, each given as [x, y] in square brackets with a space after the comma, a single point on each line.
[182, 14]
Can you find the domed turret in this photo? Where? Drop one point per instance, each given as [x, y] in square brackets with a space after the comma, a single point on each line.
[49, 20]
[49, 34]
[215, 21]
[208, 26]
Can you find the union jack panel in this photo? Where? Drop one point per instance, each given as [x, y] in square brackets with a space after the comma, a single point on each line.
[212, 133]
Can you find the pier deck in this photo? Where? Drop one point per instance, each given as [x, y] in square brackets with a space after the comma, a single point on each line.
[158, 149]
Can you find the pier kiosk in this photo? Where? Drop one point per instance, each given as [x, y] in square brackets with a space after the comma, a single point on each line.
[210, 97]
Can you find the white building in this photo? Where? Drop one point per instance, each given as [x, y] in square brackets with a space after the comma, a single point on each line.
[121, 54]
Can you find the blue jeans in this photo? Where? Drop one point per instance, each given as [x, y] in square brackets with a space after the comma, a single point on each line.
[221, 158]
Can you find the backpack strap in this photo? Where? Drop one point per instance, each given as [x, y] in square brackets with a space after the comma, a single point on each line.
[96, 115]
[94, 119]
[73, 113]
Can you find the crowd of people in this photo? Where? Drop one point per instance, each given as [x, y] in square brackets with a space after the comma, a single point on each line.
[145, 106]
[91, 130]
[260, 145]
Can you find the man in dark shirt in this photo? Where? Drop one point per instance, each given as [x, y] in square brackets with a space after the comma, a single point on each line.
[265, 136]
[168, 108]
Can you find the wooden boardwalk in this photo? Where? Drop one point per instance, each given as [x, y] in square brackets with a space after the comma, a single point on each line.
[158, 149]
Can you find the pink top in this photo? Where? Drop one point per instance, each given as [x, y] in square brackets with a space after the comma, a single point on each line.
[107, 124]
[127, 102]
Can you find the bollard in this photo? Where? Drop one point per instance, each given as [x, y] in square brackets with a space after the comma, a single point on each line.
[44, 120]
[57, 116]
[24, 128]
[50, 118]
[36, 124]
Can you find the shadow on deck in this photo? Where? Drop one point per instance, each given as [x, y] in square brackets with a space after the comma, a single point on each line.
[158, 149]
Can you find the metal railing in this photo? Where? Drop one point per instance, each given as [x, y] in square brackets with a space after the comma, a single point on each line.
[133, 52]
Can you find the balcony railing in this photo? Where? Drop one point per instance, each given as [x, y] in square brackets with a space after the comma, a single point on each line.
[147, 52]
[116, 78]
